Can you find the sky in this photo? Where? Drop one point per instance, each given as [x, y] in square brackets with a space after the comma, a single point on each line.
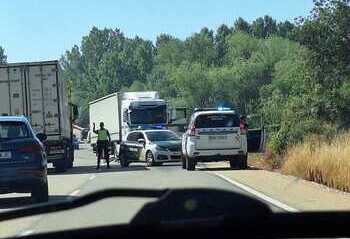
[35, 30]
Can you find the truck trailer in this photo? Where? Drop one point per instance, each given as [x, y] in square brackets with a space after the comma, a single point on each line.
[36, 91]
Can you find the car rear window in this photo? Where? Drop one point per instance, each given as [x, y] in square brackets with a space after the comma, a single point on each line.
[13, 130]
[217, 121]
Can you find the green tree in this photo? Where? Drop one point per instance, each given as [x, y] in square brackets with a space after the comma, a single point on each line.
[285, 29]
[220, 42]
[264, 27]
[241, 25]
[201, 47]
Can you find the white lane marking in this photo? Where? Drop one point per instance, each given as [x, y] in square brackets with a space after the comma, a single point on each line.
[26, 233]
[258, 194]
[74, 193]
[92, 177]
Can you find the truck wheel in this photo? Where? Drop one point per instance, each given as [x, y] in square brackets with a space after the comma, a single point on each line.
[61, 166]
[70, 163]
[183, 161]
[150, 159]
[190, 164]
[40, 193]
[70, 160]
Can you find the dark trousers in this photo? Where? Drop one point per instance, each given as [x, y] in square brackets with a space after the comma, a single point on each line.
[102, 147]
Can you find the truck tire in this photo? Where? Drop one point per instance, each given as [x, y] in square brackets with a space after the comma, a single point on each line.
[183, 161]
[70, 160]
[190, 164]
[40, 193]
[61, 166]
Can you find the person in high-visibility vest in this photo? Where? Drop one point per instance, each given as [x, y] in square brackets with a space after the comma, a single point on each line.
[103, 140]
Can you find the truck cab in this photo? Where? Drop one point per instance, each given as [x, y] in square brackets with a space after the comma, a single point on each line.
[123, 112]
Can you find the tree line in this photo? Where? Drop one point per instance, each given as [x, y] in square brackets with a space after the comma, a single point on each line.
[295, 76]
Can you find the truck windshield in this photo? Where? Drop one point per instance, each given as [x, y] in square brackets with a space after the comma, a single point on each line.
[154, 115]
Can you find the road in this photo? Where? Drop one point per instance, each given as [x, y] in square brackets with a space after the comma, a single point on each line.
[84, 178]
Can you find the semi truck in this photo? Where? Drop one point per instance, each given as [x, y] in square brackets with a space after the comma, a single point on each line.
[36, 91]
[122, 112]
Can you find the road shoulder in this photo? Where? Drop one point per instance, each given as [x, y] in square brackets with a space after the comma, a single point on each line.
[292, 191]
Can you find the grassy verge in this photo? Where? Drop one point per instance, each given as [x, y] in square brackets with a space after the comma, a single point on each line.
[321, 161]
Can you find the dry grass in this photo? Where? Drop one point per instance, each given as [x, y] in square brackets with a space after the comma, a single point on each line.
[322, 161]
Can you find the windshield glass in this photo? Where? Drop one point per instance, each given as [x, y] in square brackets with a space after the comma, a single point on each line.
[161, 136]
[217, 121]
[233, 94]
[13, 130]
[155, 115]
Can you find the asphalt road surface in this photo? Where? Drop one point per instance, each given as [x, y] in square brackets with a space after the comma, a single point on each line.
[84, 178]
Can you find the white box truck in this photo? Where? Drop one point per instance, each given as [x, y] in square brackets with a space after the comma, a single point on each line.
[36, 91]
[124, 112]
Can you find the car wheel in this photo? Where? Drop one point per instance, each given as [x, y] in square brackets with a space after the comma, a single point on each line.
[123, 161]
[235, 162]
[244, 161]
[40, 193]
[150, 159]
[190, 164]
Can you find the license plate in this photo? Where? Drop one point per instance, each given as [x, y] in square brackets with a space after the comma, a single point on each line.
[219, 137]
[175, 154]
[5, 155]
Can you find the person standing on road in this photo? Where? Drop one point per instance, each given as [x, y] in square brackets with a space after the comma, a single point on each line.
[103, 141]
[243, 123]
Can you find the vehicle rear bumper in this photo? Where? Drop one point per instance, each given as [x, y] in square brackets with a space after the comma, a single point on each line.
[21, 180]
[216, 155]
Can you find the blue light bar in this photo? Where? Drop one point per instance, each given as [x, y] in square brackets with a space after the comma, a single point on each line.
[224, 108]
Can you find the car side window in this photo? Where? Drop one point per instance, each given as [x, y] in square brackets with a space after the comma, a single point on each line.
[140, 136]
[132, 137]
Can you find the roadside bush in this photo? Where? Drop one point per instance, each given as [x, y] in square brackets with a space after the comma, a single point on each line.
[322, 160]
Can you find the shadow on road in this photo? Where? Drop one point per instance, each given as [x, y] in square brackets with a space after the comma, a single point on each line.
[226, 169]
[92, 169]
[23, 201]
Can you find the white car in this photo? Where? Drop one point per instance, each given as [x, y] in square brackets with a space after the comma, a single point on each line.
[214, 135]
[151, 146]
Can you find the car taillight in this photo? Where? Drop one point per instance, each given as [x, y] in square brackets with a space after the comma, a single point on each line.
[193, 130]
[32, 148]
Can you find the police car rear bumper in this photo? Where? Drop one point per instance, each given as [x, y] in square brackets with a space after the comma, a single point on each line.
[216, 154]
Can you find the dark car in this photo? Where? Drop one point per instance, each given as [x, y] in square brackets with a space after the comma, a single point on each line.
[23, 163]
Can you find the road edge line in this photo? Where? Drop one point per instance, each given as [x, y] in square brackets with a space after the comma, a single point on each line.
[260, 195]
[25, 233]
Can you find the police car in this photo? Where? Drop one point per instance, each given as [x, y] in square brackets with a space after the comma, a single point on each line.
[214, 135]
[153, 146]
